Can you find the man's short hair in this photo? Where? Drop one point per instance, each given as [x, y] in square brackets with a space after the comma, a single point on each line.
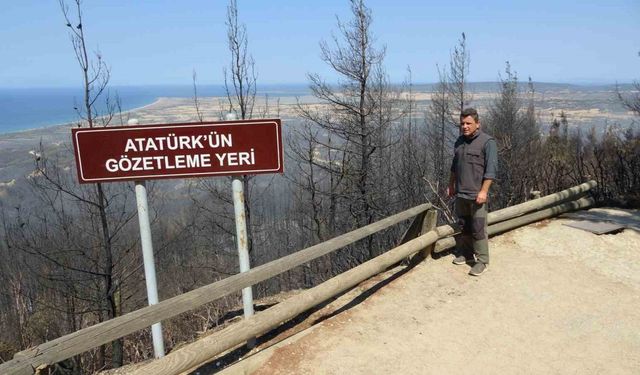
[470, 112]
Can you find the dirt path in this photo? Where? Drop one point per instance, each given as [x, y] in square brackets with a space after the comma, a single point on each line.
[555, 300]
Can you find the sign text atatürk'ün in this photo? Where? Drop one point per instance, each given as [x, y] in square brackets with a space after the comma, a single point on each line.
[178, 150]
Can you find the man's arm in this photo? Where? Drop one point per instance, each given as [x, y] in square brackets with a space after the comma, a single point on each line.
[490, 171]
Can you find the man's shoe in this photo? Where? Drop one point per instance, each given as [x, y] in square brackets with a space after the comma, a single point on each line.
[478, 269]
[462, 260]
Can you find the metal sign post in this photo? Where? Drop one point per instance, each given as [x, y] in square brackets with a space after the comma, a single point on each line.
[149, 264]
[242, 239]
[147, 257]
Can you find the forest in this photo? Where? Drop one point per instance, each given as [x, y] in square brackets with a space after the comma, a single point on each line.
[71, 256]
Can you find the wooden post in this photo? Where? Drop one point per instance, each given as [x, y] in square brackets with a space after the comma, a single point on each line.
[429, 224]
[535, 194]
[415, 228]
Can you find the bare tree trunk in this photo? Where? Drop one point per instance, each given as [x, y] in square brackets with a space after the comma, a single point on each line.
[241, 95]
[458, 76]
[349, 120]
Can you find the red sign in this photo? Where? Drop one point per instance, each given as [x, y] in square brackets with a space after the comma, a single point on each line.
[123, 153]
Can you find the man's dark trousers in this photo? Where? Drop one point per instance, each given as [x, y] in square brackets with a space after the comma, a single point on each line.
[474, 239]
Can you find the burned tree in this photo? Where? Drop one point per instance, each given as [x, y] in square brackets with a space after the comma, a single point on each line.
[458, 78]
[79, 240]
[517, 135]
[440, 136]
[355, 114]
[240, 79]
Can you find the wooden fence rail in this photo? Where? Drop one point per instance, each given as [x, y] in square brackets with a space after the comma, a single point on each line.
[503, 226]
[540, 203]
[419, 236]
[537, 209]
[203, 350]
[67, 346]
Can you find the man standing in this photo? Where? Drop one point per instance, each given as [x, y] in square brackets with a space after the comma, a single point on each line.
[473, 169]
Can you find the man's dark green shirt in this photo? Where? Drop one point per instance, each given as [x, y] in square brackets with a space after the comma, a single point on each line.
[475, 160]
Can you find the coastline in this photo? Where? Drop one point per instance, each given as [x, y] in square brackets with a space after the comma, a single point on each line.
[589, 108]
[70, 124]
[30, 108]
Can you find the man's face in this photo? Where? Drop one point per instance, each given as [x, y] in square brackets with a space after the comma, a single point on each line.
[469, 126]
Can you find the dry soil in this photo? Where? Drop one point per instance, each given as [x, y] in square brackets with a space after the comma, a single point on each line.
[555, 300]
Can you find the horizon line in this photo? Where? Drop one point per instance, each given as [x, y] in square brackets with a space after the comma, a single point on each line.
[577, 82]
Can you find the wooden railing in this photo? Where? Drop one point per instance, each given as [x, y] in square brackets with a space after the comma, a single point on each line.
[422, 236]
[67, 346]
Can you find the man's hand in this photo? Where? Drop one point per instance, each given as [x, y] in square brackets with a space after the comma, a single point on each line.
[484, 191]
[451, 191]
[482, 197]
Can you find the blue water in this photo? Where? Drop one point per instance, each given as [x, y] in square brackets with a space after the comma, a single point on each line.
[30, 108]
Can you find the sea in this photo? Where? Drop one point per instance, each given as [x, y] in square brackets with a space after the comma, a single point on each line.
[31, 108]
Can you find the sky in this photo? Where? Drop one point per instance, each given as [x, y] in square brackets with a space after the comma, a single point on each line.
[156, 42]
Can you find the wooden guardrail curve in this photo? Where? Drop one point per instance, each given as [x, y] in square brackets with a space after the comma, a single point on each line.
[77, 342]
[203, 350]
[67, 346]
